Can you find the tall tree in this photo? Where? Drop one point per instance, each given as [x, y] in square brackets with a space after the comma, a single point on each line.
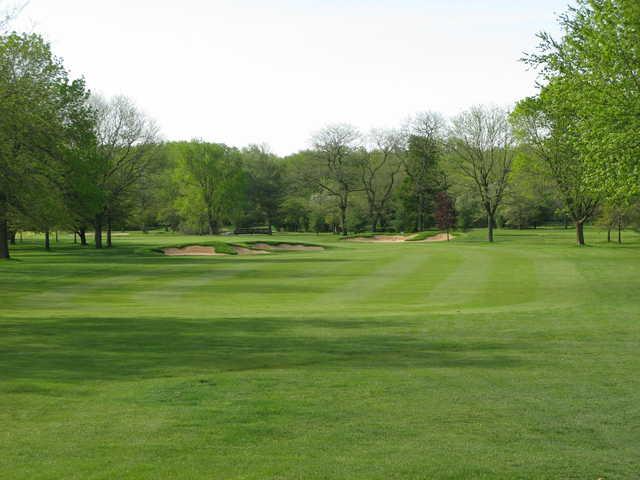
[266, 182]
[126, 142]
[421, 156]
[335, 165]
[210, 177]
[38, 113]
[547, 127]
[483, 149]
[380, 166]
[597, 61]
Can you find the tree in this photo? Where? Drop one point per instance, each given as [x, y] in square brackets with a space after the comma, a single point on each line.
[8, 13]
[617, 216]
[445, 212]
[532, 196]
[546, 126]
[482, 145]
[335, 165]
[379, 169]
[209, 179]
[126, 142]
[266, 182]
[40, 111]
[597, 62]
[421, 156]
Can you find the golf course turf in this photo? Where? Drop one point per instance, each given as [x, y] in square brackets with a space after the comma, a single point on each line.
[412, 360]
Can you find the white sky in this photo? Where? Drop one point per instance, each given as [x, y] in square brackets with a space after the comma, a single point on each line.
[276, 71]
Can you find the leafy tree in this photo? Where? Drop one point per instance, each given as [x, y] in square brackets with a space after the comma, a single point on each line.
[546, 126]
[617, 216]
[210, 182]
[265, 183]
[421, 157]
[40, 111]
[597, 62]
[531, 198]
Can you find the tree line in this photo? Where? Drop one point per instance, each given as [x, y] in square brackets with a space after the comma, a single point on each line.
[72, 160]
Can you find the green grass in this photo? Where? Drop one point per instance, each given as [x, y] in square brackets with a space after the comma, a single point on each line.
[219, 247]
[373, 361]
[424, 235]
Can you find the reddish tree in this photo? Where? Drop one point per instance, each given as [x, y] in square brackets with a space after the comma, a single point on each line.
[445, 213]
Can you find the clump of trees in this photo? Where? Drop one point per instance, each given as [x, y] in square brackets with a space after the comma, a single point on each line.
[72, 160]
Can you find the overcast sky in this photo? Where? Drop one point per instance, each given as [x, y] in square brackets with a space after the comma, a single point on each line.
[275, 71]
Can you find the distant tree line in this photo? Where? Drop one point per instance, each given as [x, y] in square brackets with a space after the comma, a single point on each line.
[74, 161]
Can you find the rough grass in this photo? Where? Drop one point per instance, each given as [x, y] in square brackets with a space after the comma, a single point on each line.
[373, 361]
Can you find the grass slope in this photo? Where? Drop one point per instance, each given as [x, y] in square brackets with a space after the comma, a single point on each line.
[373, 361]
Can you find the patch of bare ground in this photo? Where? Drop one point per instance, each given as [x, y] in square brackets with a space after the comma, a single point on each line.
[440, 237]
[196, 250]
[287, 246]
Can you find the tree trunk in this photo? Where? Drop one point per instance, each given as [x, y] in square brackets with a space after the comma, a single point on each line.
[490, 224]
[608, 234]
[56, 236]
[580, 232]
[211, 224]
[343, 220]
[109, 231]
[47, 241]
[619, 233]
[12, 237]
[82, 233]
[4, 239]
[374, 223]
[98, 230]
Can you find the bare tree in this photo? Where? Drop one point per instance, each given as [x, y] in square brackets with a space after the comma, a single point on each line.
[335, 171]
[9, 11]
[126, 140]
[380, 165]
[483, 149]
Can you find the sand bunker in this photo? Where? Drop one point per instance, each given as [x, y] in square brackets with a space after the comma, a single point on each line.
[440, 237]
[248, 251]
[257, 249]
[380, 239]
[287, 246]
[191, 250]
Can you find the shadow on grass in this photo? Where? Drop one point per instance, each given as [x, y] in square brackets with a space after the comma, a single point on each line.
[72, 349]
